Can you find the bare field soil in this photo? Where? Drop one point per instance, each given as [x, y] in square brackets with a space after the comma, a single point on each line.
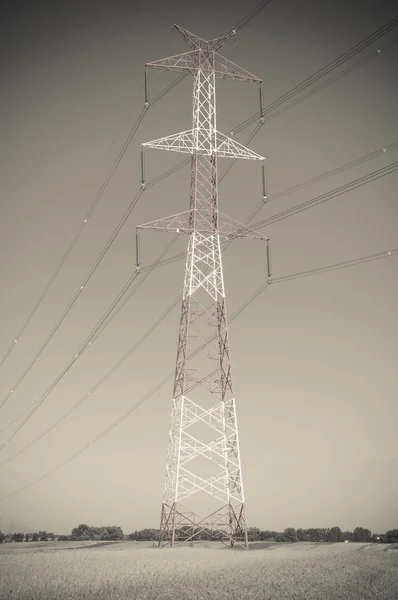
[135, 571]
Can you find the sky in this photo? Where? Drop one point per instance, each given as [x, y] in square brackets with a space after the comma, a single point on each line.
[314, 359]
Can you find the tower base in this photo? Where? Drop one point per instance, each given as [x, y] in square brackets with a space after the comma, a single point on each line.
[226, 525]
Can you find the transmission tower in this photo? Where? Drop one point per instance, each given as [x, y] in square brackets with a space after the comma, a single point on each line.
[203, 471]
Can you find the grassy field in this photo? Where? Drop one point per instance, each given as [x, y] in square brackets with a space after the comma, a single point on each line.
[128, 570]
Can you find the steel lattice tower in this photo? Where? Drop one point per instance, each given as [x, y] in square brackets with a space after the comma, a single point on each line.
[203, 462]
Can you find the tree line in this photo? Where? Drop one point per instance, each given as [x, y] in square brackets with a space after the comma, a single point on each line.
[290, 535]
[330, 534]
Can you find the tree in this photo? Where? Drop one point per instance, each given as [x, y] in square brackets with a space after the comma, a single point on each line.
[35, 537]
[84, 532]
[392, 536]
[362, 535]
[149, 535]
[302, 535]
[63, 538]
[17, 537]
[291, 534]
[315, 535]
[268, 535]
[115, 533]
[27, 537]
[347, 535]
[333, 534]
[2, 537]
[80, 531]
[253, 534]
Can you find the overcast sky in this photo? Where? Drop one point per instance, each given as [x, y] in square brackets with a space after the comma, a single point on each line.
[314, 359]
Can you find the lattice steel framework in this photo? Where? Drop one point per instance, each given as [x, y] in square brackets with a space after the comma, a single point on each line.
[204, 428]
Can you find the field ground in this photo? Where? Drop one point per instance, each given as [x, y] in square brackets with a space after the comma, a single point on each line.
[137, 571]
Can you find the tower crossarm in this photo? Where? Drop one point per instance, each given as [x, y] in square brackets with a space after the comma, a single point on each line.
[188, 62]
[227, 227]
[205, 143]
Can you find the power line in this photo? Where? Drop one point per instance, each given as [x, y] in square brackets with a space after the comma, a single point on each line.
[76, 295]
[16, 418]
[343, 189]
[381, 32]
[242, 23]
[186, 161]
[321, 86]
[97, 331]
[237, 313]
[97, 384]
[93, 269]
[318, 199]
[268, 110]
[167, 89]
[251, 15]
[348, 187]
[101, 325]
[322, 176]
[76, 236]
[172, 259]
[79, 231]
[94, 204]
[247, 141]
[336, 266]
[109, 316]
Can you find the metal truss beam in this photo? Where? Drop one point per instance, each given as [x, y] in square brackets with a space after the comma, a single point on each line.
[207, 142]
[188, 62]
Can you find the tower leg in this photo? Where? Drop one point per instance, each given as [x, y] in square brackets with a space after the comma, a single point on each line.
[226, 525]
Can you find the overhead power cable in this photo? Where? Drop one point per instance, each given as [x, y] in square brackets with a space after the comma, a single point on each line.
[100, 326]
[76, 236]
[79, 231]
[242, 23]
[389, 253]
[270, 111]
[76, 295]
[160, 261]
[323, 176]
[167, 89]
[236, 314]
[18, 418]
[359, 63]
[87, 216]
[97, 384]
[172, 259]
[314, 201]
[247, 141]
[153, 101]
[348, 187]
[251, 15]
[343, 189]
[370, 39]
[382, 31]
[336, 266]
